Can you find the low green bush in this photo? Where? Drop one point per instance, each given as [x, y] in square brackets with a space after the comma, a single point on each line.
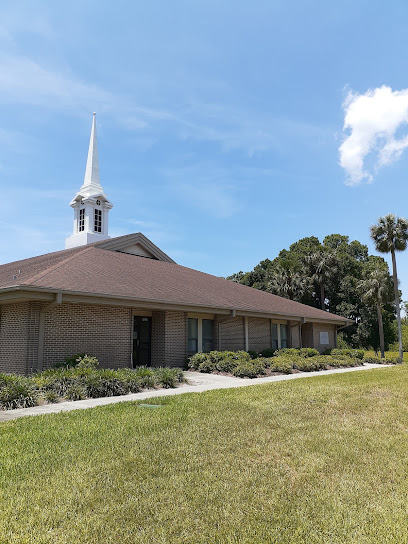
[353, 353]
[327, 351]
[308, 352]
[87, 361]
[344, 362]
[18, 392]
[146, 375]
[253, 354]
[249, 369]
[131, 380]
[280, 364]
[309, 364]
[196, 359]
[373, 360]
[297, 352]
[268, 352]
[76, 391]
[167, 377]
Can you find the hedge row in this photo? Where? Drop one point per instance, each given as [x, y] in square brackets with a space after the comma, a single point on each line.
[243, 364]
[84, 380]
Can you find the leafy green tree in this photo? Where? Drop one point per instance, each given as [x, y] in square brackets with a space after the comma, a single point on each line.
[291, 275]
[284, 280]
[376, 288]
[390, 234]
[323, 267]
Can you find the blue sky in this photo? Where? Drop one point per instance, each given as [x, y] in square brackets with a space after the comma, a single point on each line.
[219, 123]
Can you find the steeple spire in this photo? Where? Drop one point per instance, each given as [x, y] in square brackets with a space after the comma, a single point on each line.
[92, 182]
[91, 205]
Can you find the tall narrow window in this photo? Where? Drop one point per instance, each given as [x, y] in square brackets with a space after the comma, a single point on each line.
[192, 336]
[207, 335]
[98, 221]
[284, 336]
[275, 340]
[81, 224]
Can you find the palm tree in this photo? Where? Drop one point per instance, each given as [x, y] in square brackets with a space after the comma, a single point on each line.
[391, 235]
[375, 289]
[323, 266]
[285, 281]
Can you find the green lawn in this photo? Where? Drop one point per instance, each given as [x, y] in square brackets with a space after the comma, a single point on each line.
[318, 460]
[388, 355]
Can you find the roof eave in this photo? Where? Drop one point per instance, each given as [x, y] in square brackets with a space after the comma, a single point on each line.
[29, 292]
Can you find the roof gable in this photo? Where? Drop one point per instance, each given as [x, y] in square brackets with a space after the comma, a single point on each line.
[135, 244]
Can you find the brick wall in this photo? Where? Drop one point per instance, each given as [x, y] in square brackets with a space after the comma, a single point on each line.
[103, 331]
[14, 329]
[259, 333]
[322, 327]
[175, 338]
[232, 334]
[158, 328]
[307, 335]
[294, 336]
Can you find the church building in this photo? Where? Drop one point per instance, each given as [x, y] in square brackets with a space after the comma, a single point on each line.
[129, 304]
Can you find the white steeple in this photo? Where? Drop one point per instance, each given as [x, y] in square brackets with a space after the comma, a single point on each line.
[91, 205]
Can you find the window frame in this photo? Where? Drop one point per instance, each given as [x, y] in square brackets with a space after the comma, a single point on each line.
[200, 318]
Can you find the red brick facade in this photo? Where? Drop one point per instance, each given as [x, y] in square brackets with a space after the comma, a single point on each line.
[106, 332]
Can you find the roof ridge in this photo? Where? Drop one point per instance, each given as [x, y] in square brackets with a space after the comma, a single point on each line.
[36, 277]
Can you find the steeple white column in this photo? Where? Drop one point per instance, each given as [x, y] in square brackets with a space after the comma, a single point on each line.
[90, 204]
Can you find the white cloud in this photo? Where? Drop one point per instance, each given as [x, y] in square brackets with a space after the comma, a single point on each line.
[373, 119]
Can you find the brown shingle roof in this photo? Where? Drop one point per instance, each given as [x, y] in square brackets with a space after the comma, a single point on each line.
[90, 269]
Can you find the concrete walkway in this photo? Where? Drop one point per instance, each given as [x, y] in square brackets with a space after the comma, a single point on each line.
[197, 383]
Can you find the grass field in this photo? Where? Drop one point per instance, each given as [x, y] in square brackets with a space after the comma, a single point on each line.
[388, 355]
[319, 460]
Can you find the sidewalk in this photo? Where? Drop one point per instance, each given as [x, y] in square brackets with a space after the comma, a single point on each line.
[197, 383]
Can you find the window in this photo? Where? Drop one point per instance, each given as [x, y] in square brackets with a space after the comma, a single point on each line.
[280, 336]
[207, 343]
[98, 202]
[98, 221]
[284, 336]
[200, 335]
[192, 336]
[81, 224]
[275, 339]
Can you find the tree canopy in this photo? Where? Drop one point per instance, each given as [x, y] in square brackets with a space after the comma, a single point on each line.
[328, 275]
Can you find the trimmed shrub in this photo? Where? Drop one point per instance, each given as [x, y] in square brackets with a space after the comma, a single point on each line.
[353, 353]
[196, 359]
[249, 369]
[253, 354]
[268, 352]
[280, 364]
[18, 392]
[308, 352]
[297, 352]
[344, 362]
[207, 365]
[373, 360]
[294, 352]
[309, 364]
[327, 351]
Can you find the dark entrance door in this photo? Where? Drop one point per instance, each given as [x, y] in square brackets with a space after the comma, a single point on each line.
[142, 333]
